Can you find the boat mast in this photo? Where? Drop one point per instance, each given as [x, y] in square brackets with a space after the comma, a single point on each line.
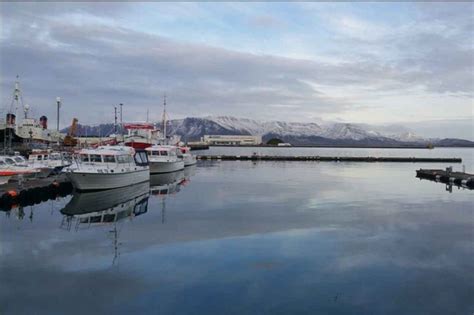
[10, 122]
[121, 121]
[17, 97]
[164, 116]
[115, 121]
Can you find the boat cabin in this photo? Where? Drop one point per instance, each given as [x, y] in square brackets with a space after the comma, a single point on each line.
[112, 155]
[46, 155]
[10, 161]
[161, 150]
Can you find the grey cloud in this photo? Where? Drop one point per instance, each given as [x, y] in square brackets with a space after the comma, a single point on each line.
[98, 64]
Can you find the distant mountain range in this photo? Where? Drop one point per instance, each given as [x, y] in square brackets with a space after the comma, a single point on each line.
[328, 134]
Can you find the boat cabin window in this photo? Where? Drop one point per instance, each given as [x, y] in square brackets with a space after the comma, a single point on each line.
[123, 158]
[39, 157]
[19, 159]
[96, 158]
[163, 153]
[10, 161]
[2, 163]
[45, 157]
[109, 158]
[84, 158]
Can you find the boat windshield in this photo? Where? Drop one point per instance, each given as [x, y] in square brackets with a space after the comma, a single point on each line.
[2, 163]
[18, 159]
[10, 161]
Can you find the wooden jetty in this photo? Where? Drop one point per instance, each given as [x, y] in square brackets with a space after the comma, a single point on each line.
[327, 158]
[447, 177]
[33, 191]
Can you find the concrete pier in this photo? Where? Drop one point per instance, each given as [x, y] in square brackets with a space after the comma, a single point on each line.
[327, 158]
[33, 191]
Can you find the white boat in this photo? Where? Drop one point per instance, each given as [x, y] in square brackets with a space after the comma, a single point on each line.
[16, 167]
[108, 167]
[48, 162]
[164, 159]
[186, 155]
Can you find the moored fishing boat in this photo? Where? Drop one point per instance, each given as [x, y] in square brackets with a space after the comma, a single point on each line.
[19, 131]
[108, 167]
[14, 166]
[48, 162]
[164, 159]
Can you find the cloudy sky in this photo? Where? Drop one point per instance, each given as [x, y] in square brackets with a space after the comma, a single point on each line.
[384, 63]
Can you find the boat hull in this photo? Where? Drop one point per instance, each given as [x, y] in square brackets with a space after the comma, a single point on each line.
[4, 179]
[166, 167]
[99, 181]
[189, 160]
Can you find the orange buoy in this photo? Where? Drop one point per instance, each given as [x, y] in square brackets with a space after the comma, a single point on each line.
[12, 193]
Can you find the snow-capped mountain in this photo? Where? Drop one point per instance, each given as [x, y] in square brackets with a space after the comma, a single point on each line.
[255, 127]
[345, 134]
[193, 128]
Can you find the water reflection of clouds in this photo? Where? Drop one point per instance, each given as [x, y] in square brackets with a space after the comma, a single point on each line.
[363, 246]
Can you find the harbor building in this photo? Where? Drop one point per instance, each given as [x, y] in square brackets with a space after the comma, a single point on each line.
[232, 140]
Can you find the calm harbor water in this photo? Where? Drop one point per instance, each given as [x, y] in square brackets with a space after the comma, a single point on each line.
[249, 238]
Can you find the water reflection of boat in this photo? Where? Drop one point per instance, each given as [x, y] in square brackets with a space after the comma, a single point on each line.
[106, 206]
[165, 184]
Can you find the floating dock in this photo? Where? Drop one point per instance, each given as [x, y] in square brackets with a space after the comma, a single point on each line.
[33, 191]
[447, 177]
[327, 158]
